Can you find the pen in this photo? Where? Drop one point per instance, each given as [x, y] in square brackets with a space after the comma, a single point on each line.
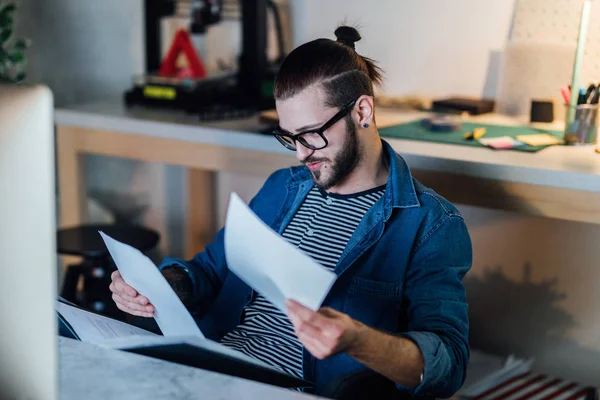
[475, 134]
[582, 97]
[566, 93]
[589, 94]
[594, 99]
[590, 113]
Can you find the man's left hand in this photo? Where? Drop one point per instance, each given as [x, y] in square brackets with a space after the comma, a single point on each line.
[325, 332]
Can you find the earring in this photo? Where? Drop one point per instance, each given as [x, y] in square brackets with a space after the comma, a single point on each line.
[365, 125]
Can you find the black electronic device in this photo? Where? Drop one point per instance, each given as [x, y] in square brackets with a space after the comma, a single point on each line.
[229, 95]
[459, 105]
[542, 111]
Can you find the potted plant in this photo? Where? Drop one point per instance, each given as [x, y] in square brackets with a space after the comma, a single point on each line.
[12, 50]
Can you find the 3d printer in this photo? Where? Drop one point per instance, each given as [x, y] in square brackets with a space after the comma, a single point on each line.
[229, 95]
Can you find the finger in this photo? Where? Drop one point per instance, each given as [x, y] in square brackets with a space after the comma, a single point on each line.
[293, 305]
[315, 347]
[297, 322]
[330, 312]
[139, 299]
[326, 338]
[115, 290]
[133, 312]
[306, 314]
[317, 353]
[131, 305]
[330, 336]
[113, 287]
[124, 288]
[333, 327]
[315, 319]
[328, 330]
[305, 327]
[115, 275]
[301, 312]
[129, 311]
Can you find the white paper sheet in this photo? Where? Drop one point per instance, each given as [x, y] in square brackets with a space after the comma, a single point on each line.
[113, 334]
[269, 263]
[139, 272]
[512, 367]
[94, 328]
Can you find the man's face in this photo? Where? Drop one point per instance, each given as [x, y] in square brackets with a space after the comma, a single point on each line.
[329, 166]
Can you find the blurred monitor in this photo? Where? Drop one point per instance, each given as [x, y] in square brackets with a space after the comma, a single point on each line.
[28, 271]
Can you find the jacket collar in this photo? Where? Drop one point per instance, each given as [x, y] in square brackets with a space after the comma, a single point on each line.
[399, 190]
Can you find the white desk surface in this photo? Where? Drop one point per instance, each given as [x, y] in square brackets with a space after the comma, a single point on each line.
[91, 372]
[576, 168]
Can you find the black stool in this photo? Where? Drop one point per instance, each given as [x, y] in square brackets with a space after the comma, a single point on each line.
[97, 265]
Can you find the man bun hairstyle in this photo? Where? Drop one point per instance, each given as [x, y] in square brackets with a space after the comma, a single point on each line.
[347, 35]
[343, 73]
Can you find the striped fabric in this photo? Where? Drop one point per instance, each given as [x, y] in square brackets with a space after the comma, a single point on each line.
[531, 386]
[321, 228]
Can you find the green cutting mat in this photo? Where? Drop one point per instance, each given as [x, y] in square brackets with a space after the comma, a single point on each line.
[418, 131]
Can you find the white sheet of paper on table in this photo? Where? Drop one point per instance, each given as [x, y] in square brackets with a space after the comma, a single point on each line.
[110, 333]
[139, 272]
[94, 328]
[269, 263]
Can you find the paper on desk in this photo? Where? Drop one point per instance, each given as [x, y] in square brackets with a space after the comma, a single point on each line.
[269, 263]
[541, 139]
[502, 142]
[94, 328]
[512, 367]
[139, 272]
[109, 333]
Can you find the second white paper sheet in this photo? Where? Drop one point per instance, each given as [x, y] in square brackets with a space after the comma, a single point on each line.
[269, 263]
[139, 272]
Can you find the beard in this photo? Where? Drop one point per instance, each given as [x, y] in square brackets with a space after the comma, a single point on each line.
[343, 163]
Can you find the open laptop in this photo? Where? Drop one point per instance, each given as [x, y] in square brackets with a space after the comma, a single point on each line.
[28, 273]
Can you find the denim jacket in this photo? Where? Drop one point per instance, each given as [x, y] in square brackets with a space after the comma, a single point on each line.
[401, 273]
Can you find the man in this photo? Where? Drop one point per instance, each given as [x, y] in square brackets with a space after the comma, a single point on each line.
[400, 250]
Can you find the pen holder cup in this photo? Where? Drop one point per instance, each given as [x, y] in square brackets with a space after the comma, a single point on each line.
[582, 124]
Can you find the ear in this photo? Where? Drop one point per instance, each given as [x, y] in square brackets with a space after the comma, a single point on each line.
[366, 109]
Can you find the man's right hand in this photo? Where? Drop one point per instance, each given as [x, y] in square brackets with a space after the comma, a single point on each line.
[128, 299]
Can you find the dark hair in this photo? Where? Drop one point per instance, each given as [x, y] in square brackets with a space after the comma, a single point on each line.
[344, 74]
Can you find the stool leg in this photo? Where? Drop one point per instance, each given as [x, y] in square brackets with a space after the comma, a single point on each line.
[97, 294]
[69, 288]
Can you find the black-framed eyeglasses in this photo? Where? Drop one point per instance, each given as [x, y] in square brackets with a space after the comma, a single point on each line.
[313, 139]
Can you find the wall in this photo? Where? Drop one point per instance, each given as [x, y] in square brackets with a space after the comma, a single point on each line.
[533, 290]
[85, 50]
[533, 286]
[90, 51]
[427, 47]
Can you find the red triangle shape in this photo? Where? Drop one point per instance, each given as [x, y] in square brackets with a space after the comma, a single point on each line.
[182, 43]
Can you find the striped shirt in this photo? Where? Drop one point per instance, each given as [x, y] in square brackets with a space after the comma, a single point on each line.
[321, 228]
